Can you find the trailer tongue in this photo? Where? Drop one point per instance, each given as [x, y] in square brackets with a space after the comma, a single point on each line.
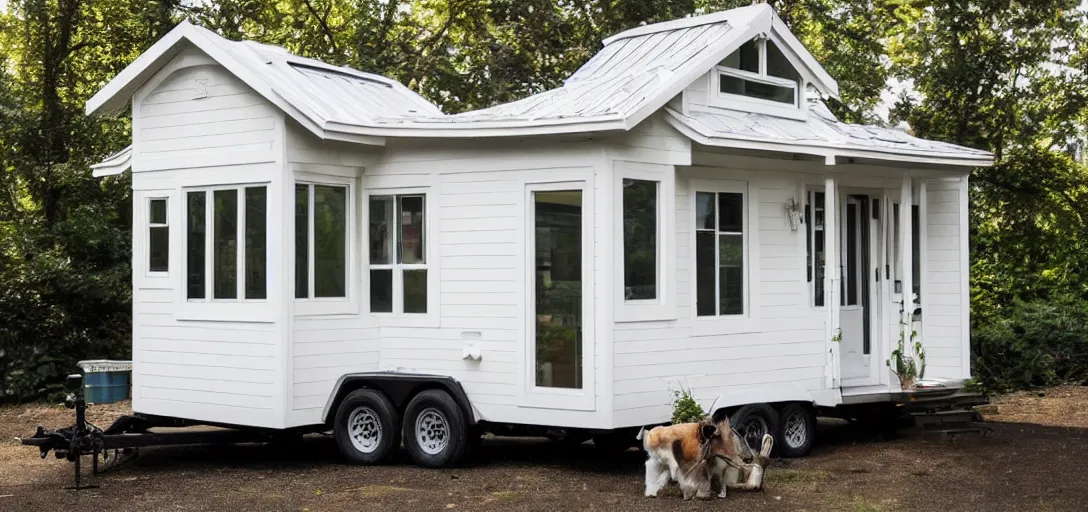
[125, 435]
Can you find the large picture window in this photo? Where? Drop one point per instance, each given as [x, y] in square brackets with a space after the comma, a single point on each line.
[640, 251]
[321, 241]
[236, 266]
[398, 253]
[720, 250]
[158, 236]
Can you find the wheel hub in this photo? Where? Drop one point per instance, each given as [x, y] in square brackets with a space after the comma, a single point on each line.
[432, 431]
[795, 432]
[365, 429]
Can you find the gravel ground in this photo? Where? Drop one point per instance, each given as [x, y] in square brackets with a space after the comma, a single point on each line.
[1034, 460]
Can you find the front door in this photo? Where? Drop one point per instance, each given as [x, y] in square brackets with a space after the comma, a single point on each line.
[861, 242]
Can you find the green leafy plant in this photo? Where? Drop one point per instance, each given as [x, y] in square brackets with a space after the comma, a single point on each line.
[684, 407]
[908, 366]
[837, 337]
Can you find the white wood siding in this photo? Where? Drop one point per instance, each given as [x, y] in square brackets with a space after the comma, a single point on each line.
[187, 364]
[942, 309]
[479, 197]
[783, 345]
[325, 346]
[476, 209]
[697, 94]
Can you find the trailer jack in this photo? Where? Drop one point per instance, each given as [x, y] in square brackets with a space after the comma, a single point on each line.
[73, 442]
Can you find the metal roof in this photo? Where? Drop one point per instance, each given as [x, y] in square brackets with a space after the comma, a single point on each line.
[633, 76]
[820, 132]
[633, 67]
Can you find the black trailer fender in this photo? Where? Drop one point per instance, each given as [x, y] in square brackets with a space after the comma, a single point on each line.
[398, 387]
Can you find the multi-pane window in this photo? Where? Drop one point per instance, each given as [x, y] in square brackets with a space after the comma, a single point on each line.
[321, 241]
[759, 70]
[236, 266]
[158, 236]
[640, 257]
[398, 253]
[720, 253]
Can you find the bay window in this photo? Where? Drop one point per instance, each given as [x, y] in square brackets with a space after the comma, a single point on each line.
[398, 256]
[235, 267]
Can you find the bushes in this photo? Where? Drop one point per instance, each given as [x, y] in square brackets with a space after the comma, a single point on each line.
[1032, 344]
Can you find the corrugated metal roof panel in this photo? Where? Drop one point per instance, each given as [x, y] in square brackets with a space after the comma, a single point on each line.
[819, 128]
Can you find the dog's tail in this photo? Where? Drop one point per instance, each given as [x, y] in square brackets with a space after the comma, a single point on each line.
[641, 433]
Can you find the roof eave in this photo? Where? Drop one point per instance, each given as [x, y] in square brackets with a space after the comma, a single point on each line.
[829, 151]
[115, 95]
[482, 129]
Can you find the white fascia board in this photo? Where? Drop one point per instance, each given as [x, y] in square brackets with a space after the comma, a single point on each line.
[116, 163]
[117, 92]
[823, 80]
[826, 151]
[681, 82]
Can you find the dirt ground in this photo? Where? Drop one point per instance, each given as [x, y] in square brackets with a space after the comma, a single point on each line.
[1035, 460]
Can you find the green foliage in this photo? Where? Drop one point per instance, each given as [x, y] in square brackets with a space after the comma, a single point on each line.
[1033, 344]
[684, 407]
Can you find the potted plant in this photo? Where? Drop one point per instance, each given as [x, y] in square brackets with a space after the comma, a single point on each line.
[909, 366]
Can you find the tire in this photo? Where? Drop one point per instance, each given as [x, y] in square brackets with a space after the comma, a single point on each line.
[797, 430]
[435, 430]
[754, 420]
[367, 427]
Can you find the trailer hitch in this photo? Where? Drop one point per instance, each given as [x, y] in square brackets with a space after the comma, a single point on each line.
[73, 442]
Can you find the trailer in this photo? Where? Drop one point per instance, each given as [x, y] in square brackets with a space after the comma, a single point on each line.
[320, 248]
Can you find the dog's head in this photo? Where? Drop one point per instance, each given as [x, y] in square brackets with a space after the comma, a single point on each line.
[716, 431]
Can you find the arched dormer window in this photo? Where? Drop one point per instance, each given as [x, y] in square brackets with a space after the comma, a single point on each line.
[758, 77]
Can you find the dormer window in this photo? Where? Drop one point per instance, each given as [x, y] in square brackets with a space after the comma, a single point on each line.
[758, 77]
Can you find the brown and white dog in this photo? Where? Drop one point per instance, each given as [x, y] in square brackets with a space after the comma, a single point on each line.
[701, 457]
[687, 453]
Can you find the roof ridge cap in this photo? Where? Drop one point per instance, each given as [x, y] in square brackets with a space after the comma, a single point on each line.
[727, 16]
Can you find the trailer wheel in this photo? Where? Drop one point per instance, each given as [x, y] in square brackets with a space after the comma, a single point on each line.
[753, 421]
[366, 427]
[797, 431]
[435, 431]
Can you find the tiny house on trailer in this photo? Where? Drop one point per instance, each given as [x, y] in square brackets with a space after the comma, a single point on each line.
[316, 247]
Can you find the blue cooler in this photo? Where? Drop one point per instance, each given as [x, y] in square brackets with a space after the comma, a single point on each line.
[105, 381]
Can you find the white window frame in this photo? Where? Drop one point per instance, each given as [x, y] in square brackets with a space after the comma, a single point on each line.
[397, 318]
[663, 307]
[210, 308]
[148, 225]
[316, 306]
[749, 320]
[799, 108]
[534, 396]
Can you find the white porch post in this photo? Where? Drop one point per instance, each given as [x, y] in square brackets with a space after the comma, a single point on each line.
[965, 278]
[831, 276]
[906, 200]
